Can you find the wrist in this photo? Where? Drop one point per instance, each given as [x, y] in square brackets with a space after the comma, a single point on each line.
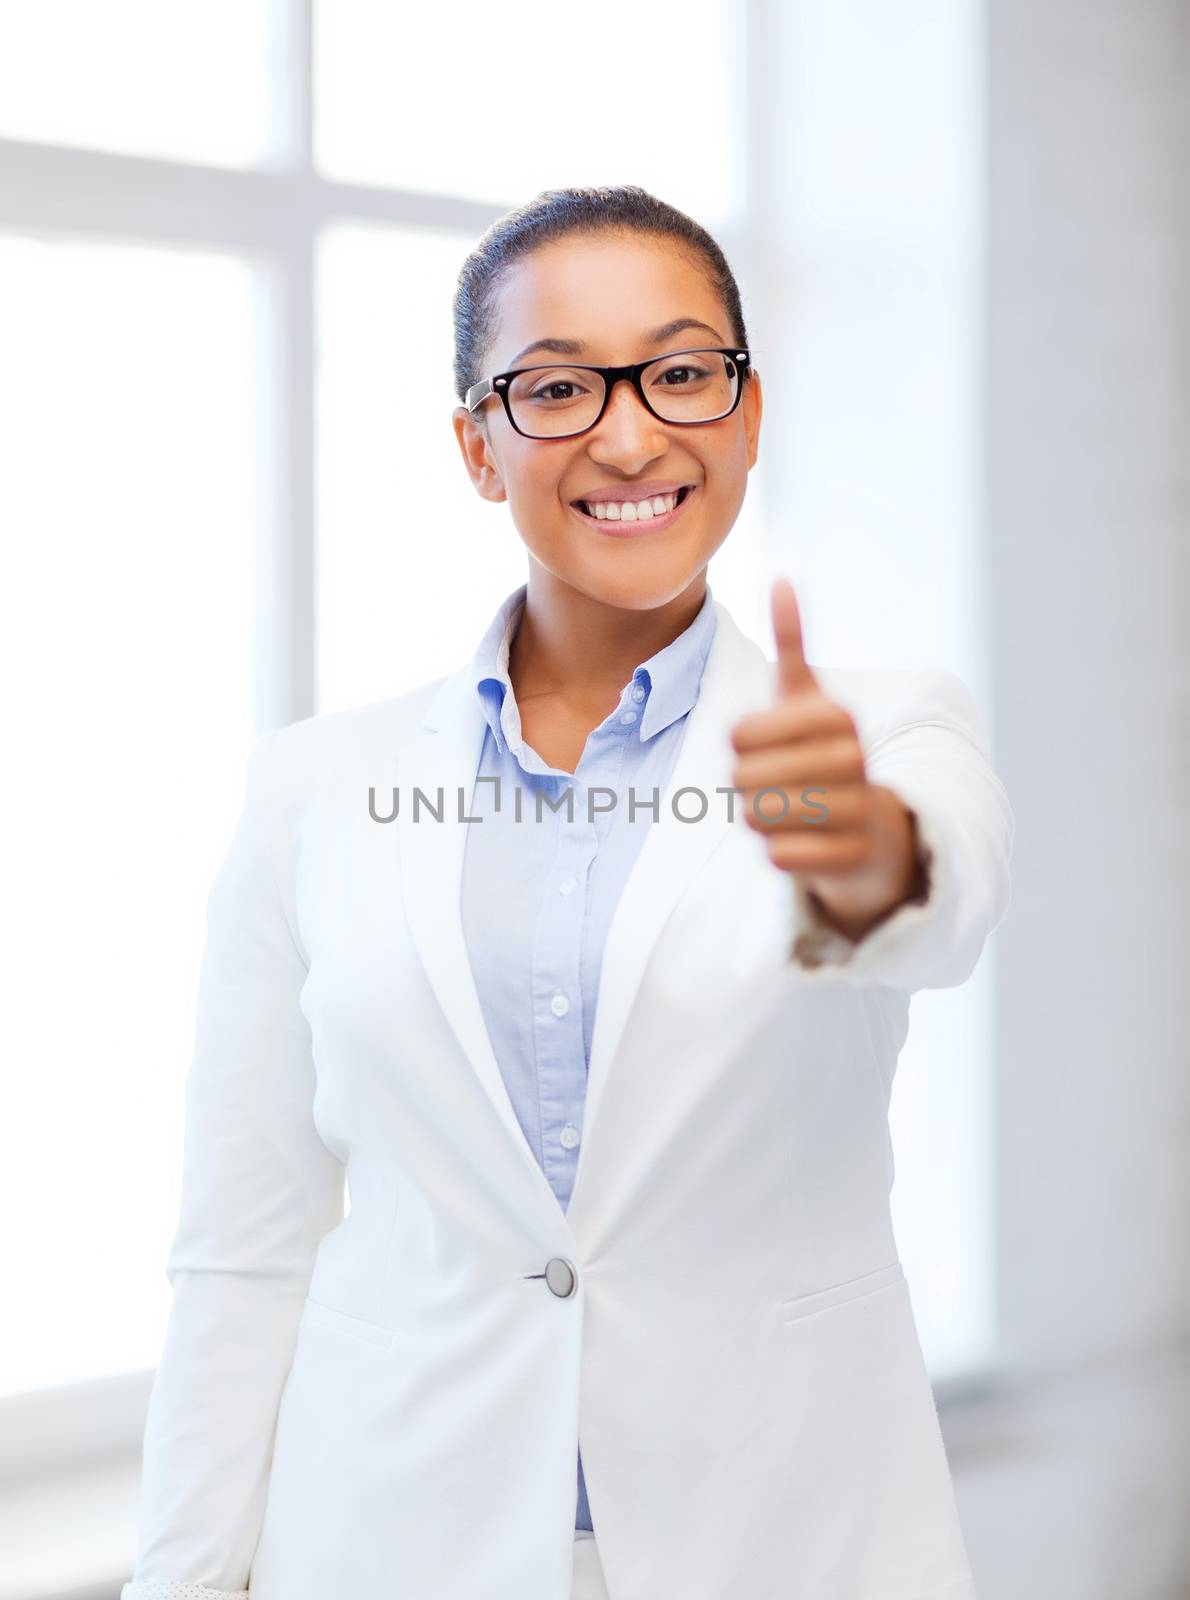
[854, 907]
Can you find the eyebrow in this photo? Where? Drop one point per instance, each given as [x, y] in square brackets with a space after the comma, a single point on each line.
[576, 347]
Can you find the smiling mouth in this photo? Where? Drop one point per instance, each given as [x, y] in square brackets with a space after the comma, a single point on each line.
[621, 526]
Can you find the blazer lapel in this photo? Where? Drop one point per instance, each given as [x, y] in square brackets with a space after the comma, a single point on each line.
[444, 754]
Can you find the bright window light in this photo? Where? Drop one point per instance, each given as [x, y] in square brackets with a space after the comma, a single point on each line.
[128, 414]
[877, 363]
[409, 557]
[462, 100]
[187, 80]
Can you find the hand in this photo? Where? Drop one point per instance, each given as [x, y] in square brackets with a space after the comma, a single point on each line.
[851, 843]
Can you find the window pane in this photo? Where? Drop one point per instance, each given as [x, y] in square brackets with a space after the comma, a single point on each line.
[536, 98]
[876, 375]
[186, 80]
[398, 519]
[128, 414]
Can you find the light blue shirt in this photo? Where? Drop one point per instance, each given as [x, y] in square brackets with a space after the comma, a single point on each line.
[538, 896]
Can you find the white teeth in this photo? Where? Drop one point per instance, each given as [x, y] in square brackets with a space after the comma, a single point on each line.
[630, 510]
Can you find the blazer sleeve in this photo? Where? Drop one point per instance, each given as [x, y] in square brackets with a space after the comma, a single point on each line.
[936, 757]
[259, 1190]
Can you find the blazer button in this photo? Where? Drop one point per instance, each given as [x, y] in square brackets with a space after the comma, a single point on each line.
[560, 1276]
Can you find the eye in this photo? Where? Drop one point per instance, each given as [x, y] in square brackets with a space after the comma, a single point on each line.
[551, 386]
[550, 391]
[681, 375]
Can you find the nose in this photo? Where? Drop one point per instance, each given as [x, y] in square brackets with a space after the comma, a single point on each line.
[627, 432]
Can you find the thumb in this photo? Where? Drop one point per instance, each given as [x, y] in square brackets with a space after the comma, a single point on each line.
[793, 671]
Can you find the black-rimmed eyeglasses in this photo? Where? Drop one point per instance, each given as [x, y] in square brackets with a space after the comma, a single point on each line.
[687, 387]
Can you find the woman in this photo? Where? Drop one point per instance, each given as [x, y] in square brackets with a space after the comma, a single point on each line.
[603, 1049]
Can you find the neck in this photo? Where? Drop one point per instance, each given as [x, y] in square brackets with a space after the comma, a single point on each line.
[583, 651]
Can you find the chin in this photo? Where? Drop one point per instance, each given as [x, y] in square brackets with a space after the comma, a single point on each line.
[642, 587]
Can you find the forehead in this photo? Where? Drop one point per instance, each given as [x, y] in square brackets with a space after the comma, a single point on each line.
[607, 292]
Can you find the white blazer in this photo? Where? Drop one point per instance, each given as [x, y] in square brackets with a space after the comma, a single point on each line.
[387, 1404]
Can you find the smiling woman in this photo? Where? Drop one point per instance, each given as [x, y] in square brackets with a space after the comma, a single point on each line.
[606, 1075]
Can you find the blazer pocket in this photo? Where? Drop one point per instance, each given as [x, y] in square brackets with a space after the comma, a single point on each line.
[315, 1314]
[808, 1305]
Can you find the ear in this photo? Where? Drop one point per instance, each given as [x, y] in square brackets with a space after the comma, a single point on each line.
[478, 456]
[752, 403]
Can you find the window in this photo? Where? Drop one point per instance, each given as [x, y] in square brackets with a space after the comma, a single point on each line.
[399, 523]
[870, 185]
[464, 104]
[128, 498]
[183, 82]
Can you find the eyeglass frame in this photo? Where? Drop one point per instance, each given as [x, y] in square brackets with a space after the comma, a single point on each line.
[498, 384]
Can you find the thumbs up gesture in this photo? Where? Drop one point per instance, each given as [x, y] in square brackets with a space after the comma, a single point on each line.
[852, 844]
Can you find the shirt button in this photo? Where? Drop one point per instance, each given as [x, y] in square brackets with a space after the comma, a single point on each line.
[638, 693]
[559, 1005]
[568, 886]
[569, 1136]
[629, 716]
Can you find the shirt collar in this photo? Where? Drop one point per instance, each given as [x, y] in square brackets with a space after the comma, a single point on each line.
[671, 677]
